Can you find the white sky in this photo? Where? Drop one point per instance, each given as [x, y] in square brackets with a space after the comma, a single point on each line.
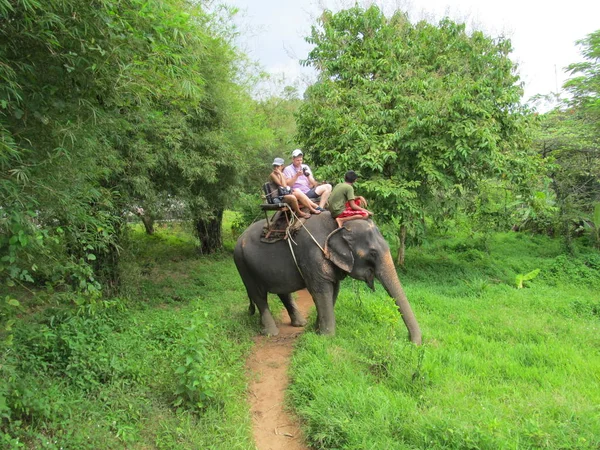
[543, 33]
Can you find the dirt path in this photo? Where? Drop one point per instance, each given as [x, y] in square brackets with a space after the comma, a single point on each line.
[275, 428]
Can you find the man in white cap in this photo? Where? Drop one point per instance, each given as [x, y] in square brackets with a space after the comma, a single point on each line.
[301, 177]
[289, 195]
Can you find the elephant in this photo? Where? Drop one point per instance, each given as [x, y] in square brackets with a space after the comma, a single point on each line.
[323, 255]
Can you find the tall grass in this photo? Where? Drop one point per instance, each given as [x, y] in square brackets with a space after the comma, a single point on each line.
[160, 368]
[163, 366]
[500, 367]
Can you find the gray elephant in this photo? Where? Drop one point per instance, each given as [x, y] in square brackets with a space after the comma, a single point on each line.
[322, 256]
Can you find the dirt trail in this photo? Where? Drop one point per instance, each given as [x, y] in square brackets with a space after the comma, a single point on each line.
[275, 428]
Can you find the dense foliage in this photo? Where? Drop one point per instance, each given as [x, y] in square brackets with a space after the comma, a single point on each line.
[164, 370]
[422, 112]
[569, 141]
[107, 108]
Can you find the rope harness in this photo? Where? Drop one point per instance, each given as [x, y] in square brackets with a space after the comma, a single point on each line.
[290, 240]
[288, 233]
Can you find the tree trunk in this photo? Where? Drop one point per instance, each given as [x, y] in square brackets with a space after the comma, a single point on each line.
[148, 222]
[564, 214]
[209, 233]
[401, 246]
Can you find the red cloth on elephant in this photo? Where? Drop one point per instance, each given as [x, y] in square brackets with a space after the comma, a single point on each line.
[352, 212]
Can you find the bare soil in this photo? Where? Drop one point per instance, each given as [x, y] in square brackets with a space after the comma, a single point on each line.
[274, 427]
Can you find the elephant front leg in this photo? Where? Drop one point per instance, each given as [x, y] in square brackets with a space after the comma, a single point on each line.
[324, 300]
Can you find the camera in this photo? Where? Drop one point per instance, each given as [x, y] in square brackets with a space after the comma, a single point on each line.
[305, 172]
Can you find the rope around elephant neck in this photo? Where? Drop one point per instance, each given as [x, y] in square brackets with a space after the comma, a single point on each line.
[290, 240]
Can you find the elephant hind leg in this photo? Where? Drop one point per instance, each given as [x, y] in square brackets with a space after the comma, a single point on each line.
[258, 299]
[297, 319]
[251, 307]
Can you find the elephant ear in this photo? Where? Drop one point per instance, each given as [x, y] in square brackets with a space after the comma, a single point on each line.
[338, 249]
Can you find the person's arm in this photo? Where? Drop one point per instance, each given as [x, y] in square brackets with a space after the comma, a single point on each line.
[291, 181]
[289, 178]
[311, 180]
[275, 179]
[363, 201]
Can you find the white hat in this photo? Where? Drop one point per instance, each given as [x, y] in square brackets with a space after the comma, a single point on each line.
[278, 162]
[297, 153]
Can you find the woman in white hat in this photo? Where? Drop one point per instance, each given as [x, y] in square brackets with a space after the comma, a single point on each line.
[290, 198]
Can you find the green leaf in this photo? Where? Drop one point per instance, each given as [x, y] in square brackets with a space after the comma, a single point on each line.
[520, 278]
[596, 216]
[531, 275]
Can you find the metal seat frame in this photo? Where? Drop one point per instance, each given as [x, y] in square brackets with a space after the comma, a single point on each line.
[271, 192]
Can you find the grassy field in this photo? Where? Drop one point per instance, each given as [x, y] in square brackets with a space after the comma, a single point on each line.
[500, 367]
[160, 368]
[163, 366]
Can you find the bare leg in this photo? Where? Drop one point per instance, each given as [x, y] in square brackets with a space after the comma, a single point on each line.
[293, 202]
[305, 201]
[340, 220]
[323, 191]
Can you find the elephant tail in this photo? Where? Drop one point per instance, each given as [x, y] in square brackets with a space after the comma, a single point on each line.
[251, 308]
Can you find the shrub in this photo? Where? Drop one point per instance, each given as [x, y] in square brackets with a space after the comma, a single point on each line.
[201, 375]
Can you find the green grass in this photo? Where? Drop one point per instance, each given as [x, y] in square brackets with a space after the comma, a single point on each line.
[162, 367]
[500, 367]
[110, 379]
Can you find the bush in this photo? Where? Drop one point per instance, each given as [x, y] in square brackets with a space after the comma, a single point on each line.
[574, 270]
[202, 373]
[248, 212]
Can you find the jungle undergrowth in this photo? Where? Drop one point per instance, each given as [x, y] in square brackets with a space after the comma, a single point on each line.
[515, 366]
[161, 367]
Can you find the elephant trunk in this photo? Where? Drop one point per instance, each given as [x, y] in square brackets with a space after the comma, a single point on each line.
[389, 278]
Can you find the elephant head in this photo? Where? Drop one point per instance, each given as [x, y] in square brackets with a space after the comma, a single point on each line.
[360, 250]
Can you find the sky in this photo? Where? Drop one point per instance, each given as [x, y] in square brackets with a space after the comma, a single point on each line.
[543, 35]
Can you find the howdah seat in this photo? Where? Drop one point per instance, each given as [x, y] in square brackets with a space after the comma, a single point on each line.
[274, 203]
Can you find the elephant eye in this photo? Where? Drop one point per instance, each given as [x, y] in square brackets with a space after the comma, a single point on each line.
[373, 253]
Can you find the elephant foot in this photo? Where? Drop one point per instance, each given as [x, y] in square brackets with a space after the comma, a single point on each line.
[325, 330]
[270, 331]
[299, 322]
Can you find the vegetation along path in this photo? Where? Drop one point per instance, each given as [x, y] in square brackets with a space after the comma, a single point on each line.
[273, 426]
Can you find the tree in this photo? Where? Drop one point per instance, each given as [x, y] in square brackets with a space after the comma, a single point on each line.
[105, 106]
[585, 87]
[421, 112]
[569, 140]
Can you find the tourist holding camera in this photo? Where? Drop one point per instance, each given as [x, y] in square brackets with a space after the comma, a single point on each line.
[289, 195]
[300, 177]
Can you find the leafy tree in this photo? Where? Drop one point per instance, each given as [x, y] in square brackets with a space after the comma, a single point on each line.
[569, 144]
[106, 106]
[569, 141]
[55, 160]
[422, 112]
[585, 86]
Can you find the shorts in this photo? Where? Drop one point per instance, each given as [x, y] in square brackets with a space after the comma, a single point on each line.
[348, 212]
[312, 193]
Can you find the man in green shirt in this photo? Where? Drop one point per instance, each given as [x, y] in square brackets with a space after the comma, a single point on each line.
[343, 205]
